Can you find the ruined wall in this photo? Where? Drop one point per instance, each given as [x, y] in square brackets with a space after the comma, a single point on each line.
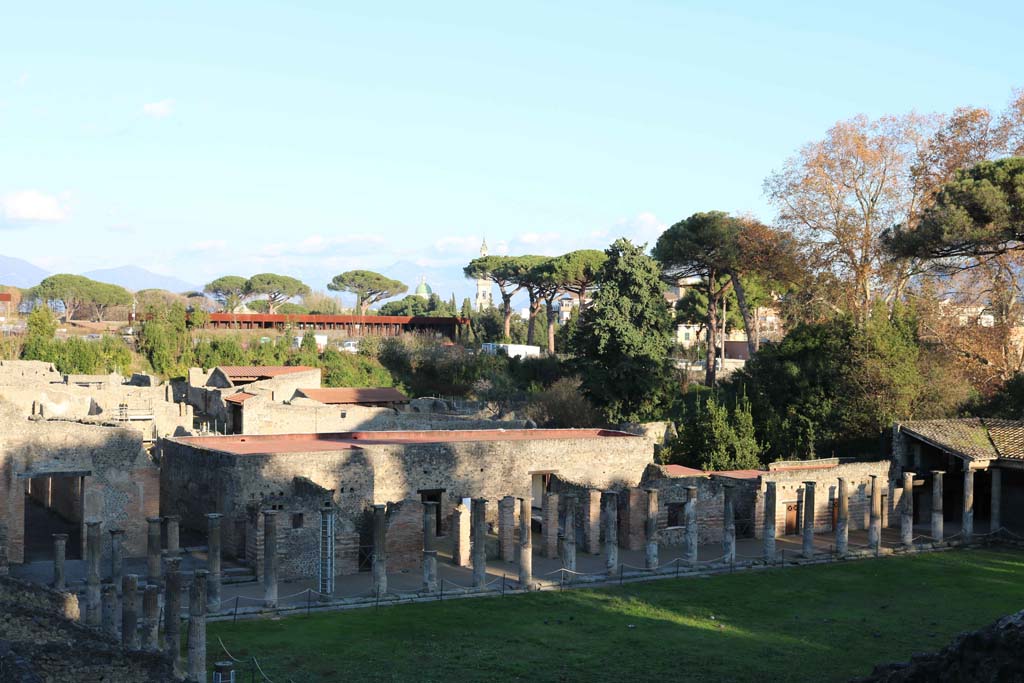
[195, 481]
[121, 484]
[789, 490]
[209, 400]
[710, 503]
[260, 415]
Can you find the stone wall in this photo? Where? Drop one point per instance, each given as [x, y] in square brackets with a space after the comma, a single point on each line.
[196, 479]
[710, 503]
[41, 641]
[120, 483]
[209, 400]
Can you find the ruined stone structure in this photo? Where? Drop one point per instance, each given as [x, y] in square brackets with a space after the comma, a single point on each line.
[240, 475]
[671, 482]
[80, 472]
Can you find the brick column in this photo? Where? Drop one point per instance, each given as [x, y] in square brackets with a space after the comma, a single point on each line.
[768, 523]
[269, 562]
[429, 524]
[808, 530]
[213, 552]
[549, 525]
[151, 617]
[525, 543]
[728, 524]
[460, 536]
[875, 525]
[506, 528]
[116, 557]
[173, 545]
[380, 565]
[325, 568]
[843, 519]
[197, 627]
[997, 499]
[109, 609]
[968, 524]
[60, 544]
[172, 612]
[592, 521]
[92, 572]
[478, 529]
[153, 550]
[130, 611]
[611, 532]
[569, 542]
[907, 510]
[651, 530]
[690, 537]
[937, 516]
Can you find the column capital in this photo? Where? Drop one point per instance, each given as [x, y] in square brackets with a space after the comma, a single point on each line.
[173, 562]
[153, 520]
[212, 516]
[380, 506]
[202, 573]
[430, 503]
[939, 472]
[115, 531]
[60, 537]
[810, 484]
[269, 513]
[93, 522]
[172, 518]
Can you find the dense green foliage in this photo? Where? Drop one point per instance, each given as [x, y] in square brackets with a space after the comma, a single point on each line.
[74, 292]
[416, 305]
[713, 437]
[815, 623]
[73, 355]
[368, 286]
[623, 338]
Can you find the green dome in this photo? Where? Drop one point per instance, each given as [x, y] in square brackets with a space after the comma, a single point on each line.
[423, 289]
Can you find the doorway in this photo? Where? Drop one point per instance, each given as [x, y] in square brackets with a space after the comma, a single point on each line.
[434, 496]
[54, 504]
[792, 513]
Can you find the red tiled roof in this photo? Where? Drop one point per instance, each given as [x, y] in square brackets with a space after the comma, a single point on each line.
[681, 471]
[346, 395]
[254, 372]
[240, 397]
[308, 443]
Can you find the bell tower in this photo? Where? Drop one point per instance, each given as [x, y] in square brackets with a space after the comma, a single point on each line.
[484, 299]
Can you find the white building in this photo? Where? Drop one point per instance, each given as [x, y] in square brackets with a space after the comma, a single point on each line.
[484, 287]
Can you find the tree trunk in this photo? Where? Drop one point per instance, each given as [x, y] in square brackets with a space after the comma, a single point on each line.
[709, 356]
[551, 326]
[531, 327]
[753, 342]
[506, 304]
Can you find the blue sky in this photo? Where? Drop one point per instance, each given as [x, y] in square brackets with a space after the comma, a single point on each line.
[198, 139]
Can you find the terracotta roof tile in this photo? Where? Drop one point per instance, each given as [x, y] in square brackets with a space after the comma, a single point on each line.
[1008, 437]
[240, 397]
[254, 372]
[966, 437]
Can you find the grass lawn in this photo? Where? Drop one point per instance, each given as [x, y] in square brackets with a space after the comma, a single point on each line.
[826, 622]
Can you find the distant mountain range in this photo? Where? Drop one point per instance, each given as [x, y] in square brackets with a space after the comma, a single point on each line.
[18, 272]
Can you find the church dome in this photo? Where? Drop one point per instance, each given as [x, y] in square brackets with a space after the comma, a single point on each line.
[423, 289]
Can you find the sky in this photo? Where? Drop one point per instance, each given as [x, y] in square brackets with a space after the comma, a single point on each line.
[200, 139]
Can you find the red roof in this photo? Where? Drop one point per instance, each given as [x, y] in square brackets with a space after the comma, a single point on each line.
[255, 372]
[240, 397]
[681, 471]
[342, 319]
[266, 444]
[6, 296]
[346, 395]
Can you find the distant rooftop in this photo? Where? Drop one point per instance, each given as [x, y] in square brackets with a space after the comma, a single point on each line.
[306, 443]
[347, 395]
[682, 471]
[972, 438]
[251, 373]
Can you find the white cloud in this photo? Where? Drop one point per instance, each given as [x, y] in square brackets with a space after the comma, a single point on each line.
[158, 110]
[31, 206]
[21, 80]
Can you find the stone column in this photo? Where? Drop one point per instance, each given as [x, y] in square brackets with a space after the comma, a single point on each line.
[506, 528]
[907, 510]
[875, 523]
[92, 572]
[172, 612]
[130, 611]
[430, 571]
[212, 559]
[173, 546]
[478, 529]
[197, 627]
[808, 530]
[269, 562]
[690, 537]
[968, 524]
[325, 571]
[937, 515]
[153, 550]
[549, 525]
[460, 536]
[768, 523]
[997, 499]
[429, 524]
[60, 545]
[728, 524]
[116, 557]
[525, 543]
[843, 519]
[651, 529]
[109, 610]
[151, 617]
[611, 531]
[592, 522]
[569, 544]
[380, 567]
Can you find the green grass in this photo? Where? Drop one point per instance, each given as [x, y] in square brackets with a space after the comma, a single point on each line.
[826, 622]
